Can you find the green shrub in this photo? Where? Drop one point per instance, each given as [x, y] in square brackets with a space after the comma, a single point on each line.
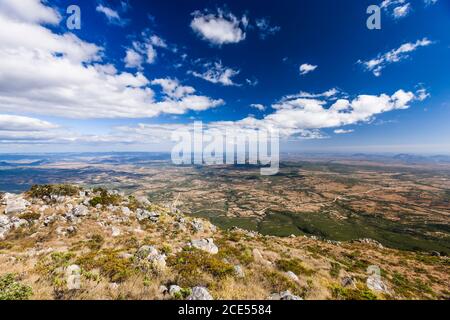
[182, 294]
[105, 199]
[115, 268]
[294, 265]
[30, 216]
[360, 293]
[191, 264]
[239, 252]
[335, 269]
[12, 289]
[41, 191]
[280, 282]
[95, 242]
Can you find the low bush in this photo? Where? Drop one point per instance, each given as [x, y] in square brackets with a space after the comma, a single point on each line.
[42, 191]
[191, 264]
[294, 265]
[12, 289]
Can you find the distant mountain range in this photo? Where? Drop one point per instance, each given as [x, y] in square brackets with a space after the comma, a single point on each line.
[34, 160]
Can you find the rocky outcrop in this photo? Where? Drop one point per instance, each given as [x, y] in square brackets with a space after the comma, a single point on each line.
[206, 245]
[14, 204]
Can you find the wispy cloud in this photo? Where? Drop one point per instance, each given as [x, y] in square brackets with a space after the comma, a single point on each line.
[343, 131]
[307, 68]
[265, 29]
[215, 72]
[258, 106]
[111, 15]
[377, 64]
[402, 11]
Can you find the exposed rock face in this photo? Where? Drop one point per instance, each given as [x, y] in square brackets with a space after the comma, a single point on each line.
[205, 245]
[200, 293]
[14, 203]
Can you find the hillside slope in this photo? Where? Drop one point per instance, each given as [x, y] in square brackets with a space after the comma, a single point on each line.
[63, 242]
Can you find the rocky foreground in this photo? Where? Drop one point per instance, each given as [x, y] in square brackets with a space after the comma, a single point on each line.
[64, 242]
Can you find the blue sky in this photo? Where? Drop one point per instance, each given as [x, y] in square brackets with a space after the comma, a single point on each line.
[137, 70]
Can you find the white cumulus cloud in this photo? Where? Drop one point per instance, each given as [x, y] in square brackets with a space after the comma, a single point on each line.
[219, 28]
[46, 73]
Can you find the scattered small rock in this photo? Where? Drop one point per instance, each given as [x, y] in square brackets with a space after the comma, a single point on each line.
[285, 295]
[115, 232]
[197, 225]
[145, 214]
[292, 276]
[174, 289]
[347, 281]
[239, 272]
